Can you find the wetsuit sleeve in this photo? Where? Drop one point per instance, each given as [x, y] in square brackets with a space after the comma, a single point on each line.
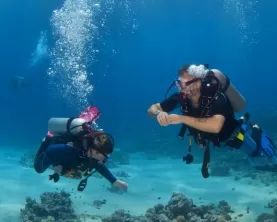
[221, 106]
[105, 172]
[170, 103]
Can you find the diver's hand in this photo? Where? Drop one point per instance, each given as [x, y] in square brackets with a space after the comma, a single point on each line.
[162, 118]
[121, 184]
[174, 119]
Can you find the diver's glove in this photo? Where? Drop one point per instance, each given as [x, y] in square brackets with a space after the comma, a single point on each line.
[55, 177]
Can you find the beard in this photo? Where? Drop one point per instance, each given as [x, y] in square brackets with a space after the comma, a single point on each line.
[190, 91]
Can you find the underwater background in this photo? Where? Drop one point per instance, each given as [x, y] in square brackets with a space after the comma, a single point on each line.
[121, 56]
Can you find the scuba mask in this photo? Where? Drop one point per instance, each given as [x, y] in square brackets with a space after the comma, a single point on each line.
[182, 84]
[210, 83]
[198, 71]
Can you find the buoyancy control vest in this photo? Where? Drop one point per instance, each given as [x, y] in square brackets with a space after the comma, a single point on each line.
[213, 84]
[211, 87]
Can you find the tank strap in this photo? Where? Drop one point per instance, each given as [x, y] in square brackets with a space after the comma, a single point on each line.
[182, 132]
[69, 123]
[228, 82]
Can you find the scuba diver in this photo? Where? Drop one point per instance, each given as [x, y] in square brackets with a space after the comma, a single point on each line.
[76, 148]
[208, 101]
[19, 82]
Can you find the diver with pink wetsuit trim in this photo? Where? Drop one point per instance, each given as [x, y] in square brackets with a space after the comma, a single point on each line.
[75, 147]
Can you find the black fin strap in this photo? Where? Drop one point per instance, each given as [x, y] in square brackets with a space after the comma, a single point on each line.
[206, 161]
[169, 88]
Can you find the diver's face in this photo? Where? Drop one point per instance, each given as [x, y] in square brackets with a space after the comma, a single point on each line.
[96, 155]
[188, 89]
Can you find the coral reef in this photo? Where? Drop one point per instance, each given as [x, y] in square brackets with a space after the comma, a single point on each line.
[266, 217]
[272, 203]
[179, 209]
[54, 206]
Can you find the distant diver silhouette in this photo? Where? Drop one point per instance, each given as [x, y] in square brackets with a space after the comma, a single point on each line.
[19, 82]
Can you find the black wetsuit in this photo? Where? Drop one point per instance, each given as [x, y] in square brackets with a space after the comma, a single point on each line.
[219, 106]
[256, 142]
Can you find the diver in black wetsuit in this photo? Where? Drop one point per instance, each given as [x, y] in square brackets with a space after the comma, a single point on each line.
[208, 105]
[76, 156]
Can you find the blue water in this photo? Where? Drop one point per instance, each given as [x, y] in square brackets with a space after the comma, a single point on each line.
[137, 48]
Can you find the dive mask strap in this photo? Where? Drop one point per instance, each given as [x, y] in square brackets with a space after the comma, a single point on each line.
[170, 87]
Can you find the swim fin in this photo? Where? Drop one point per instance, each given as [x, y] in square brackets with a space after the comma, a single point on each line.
[267, 145]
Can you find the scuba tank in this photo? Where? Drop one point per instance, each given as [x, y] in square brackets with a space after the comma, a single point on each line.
[73, 126]
[236, 99]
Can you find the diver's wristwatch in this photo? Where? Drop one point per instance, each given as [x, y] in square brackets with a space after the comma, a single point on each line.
[156, 113]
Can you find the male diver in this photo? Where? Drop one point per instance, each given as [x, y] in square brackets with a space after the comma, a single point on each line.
[208, 101]
[74, 149]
